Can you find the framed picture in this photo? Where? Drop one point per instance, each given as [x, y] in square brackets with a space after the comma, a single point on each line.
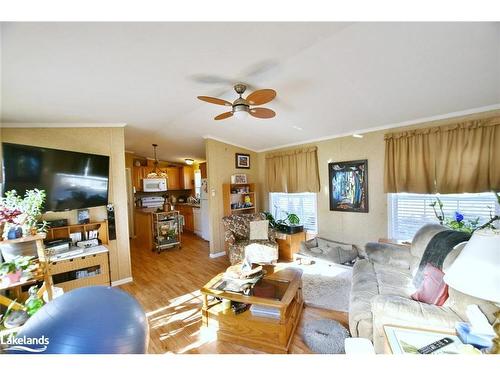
[242, 161]
[239, 178]
[348, 183]
[83, 216]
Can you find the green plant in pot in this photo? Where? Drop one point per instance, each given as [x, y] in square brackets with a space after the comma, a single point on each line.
[13, 270]
[20, 215]
[289, 224]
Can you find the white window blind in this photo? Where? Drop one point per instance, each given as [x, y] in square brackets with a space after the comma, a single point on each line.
[408, 212]
[301, 204]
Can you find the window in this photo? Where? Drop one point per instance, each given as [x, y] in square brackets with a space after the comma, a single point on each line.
[408, 212]
[301, 204]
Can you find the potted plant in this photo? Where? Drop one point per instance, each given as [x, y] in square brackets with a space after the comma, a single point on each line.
[13, 270]
[20, 215]
[290, 224]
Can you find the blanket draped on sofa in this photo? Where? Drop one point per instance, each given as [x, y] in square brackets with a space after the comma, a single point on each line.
[437, 250]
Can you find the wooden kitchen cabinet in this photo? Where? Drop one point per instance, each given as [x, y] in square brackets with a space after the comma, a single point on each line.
[138, 174]
[203, 170]
[173, 176]
[187, 177]
[187, 212]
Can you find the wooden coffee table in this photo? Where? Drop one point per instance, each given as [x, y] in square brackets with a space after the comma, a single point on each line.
[283, 292]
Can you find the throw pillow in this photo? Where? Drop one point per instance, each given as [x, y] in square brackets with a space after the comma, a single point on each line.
[433, 290]
[259, 230]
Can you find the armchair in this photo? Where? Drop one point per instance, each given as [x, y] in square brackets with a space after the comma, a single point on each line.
[237, 235]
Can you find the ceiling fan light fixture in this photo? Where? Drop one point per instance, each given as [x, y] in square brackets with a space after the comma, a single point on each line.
[189, 161]
[240, 111]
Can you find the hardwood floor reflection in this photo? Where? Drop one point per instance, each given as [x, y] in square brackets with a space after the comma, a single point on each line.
[167, 285]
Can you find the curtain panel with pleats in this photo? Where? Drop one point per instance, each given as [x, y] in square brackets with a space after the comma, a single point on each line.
[293, 171]
[456, 158]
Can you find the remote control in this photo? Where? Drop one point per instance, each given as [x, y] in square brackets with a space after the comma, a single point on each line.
[428, 349]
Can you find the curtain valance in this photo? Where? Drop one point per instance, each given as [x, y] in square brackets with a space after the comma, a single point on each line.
[293, 171]
[456, 158]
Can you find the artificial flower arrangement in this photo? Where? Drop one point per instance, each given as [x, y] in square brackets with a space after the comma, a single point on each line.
[20, 216]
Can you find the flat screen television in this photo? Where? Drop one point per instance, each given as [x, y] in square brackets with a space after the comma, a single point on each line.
[71, 180]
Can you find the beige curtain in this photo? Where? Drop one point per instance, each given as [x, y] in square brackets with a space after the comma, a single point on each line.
[458, 158]
[293, 171]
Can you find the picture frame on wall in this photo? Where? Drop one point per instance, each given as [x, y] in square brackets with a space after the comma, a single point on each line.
[83, 216]
[348, 186]
[242, 161]
[239, 178]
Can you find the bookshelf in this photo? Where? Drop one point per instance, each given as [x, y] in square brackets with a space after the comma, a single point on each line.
[235, 196]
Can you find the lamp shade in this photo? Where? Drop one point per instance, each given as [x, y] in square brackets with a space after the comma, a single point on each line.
[476, 271]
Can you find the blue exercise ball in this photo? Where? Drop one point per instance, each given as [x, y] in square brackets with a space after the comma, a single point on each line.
[90, 320]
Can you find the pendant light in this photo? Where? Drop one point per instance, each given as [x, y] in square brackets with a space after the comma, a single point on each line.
[156, 171]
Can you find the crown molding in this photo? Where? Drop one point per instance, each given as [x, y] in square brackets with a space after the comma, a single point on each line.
[61, 125]
[218, 139]
[388, 126]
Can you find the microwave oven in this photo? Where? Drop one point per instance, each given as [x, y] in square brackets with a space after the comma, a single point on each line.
[154, 184]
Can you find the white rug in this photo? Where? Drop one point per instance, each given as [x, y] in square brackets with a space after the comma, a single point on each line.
[326, 286]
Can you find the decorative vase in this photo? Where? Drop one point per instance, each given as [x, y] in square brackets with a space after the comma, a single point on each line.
[15, 232]
[14, 277]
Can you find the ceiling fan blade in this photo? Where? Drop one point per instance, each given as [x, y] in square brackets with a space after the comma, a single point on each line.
[262, 112]
[223, 116]
[212, 100]
[261, 96]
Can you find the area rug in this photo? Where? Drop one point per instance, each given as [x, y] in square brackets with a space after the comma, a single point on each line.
[325, 336]
[327, 286]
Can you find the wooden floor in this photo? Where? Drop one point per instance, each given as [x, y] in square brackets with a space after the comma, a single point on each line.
[167, 285]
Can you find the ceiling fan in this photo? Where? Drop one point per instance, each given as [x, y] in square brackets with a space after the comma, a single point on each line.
[241, 106]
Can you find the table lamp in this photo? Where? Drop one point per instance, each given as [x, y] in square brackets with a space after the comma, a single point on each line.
[476, 272]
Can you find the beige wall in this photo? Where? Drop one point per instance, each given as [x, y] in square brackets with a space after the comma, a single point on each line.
[220, 166]
[103, 141]
[352, 227]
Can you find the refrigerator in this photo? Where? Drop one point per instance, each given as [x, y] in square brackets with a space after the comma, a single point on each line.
[205, 233]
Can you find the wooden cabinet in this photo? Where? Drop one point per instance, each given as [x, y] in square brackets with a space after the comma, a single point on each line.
[203, 170]
[186, 174]
[138, 174]
[187, 212]
[173, 175]
[289, 244]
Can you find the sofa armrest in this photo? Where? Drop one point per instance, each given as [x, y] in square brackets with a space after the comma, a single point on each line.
[229, 237]
[391, 255]
[405, 312]
[309, 244]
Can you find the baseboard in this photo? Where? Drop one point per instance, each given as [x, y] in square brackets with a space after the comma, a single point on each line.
[122, 281]
[217, 255]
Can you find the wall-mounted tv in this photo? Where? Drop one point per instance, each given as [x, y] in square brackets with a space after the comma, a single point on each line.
[71, 180]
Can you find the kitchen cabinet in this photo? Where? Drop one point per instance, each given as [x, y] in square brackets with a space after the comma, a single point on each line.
[187, 211]
[203, 170]
[173, 178]
[138, 174]
[187, 177]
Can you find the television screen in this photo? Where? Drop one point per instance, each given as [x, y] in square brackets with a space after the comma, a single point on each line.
[71, 180]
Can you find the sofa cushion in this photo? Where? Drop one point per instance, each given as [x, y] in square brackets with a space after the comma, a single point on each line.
[332, 251]
[420, 241]
[400, 311]
[393, 281]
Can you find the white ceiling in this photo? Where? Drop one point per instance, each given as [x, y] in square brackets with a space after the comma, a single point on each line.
[331, 78]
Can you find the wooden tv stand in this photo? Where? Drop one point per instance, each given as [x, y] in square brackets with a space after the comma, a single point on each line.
[69, 272]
